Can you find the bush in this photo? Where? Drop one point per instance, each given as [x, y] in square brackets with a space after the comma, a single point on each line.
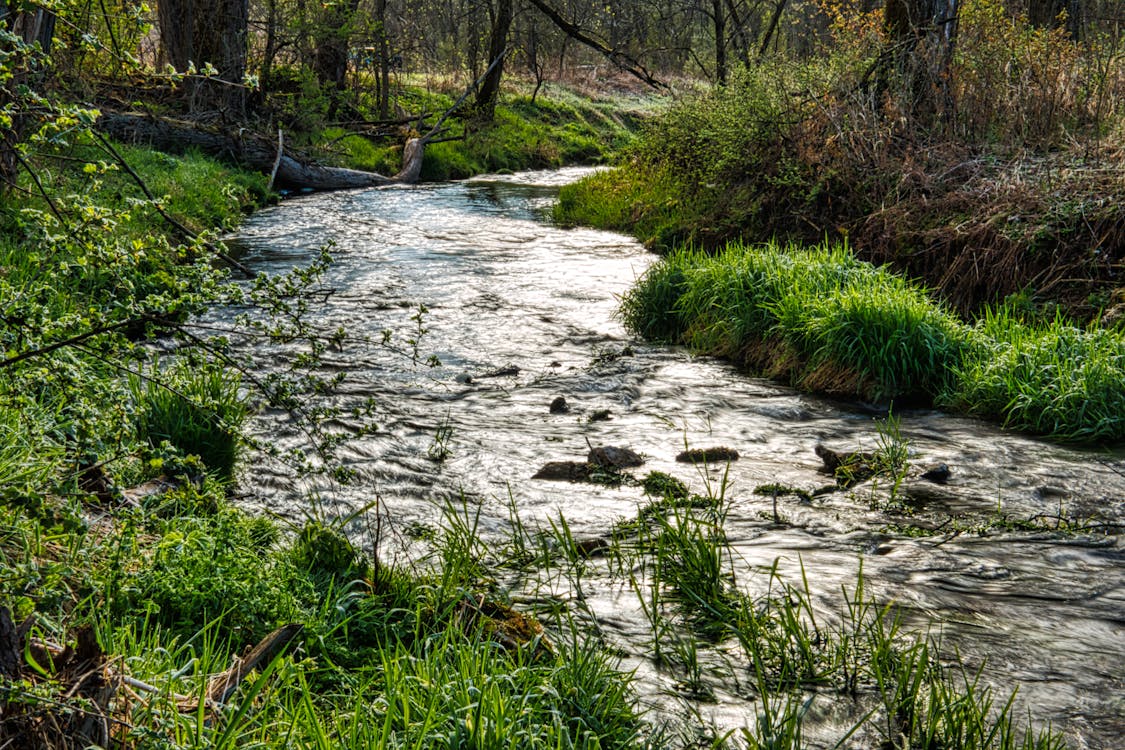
[980, 189]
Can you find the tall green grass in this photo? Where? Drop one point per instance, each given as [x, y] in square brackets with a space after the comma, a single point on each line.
[883, 685]
[199, 411]
[845, 325]
[1051, 378]
[827, 322]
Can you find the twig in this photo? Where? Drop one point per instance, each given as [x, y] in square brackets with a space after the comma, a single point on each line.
[465, 95]
[38, 184]
[71, 341]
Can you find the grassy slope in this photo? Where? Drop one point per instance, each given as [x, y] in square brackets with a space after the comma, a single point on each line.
[562, 128]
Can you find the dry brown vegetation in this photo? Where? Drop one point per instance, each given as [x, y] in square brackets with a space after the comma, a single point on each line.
[984, 166]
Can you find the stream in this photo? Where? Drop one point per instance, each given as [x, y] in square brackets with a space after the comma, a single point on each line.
[1016, 560]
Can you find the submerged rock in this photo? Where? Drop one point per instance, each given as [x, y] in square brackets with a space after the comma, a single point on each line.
[564, 471]
[601, 415]
[659, 484]
[559, 406]
[847, 468]
[937, 473]
[717, 454]
[502, 372]
[608, 456]
[591, 547]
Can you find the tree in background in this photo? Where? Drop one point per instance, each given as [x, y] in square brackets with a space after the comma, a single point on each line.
[208, 36]
[27, 34]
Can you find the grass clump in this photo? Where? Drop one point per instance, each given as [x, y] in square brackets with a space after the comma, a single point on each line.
[199, 411]
[1052, 378]
[662, 485]
[827, 322]
[817, 316]
[208, 569]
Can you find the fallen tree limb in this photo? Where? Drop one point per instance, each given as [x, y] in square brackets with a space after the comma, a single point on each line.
[220, 686]
[252, 152]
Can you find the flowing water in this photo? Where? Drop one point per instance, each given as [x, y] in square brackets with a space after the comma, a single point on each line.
[519, 312]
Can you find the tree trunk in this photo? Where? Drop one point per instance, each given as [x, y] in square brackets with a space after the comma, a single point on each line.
[198, 32]
[265, 81]
[489, 91]
[778, 9]
[720, 19]
[330, 59]
[26, 70]
[384, 60]
[921, 34]
[742, 42]
[1047, 14]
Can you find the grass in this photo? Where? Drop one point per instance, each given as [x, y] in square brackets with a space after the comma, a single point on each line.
[198, 410]
[1051, 378]
[827, 322]
[554, 130]
[981, 196]
[423, 658]
[888, 687]
[847, 327]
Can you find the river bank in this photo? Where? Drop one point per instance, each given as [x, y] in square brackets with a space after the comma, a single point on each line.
[520, 313]
[131, 580]
[1013, 242]
[121, 545]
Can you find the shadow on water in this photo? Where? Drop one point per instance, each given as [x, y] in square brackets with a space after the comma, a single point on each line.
[521, 312]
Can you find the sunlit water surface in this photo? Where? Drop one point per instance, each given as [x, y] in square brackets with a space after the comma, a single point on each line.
[504, 288]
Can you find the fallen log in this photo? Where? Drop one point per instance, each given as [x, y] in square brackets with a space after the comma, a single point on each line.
[251, 151]
[220, 686]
